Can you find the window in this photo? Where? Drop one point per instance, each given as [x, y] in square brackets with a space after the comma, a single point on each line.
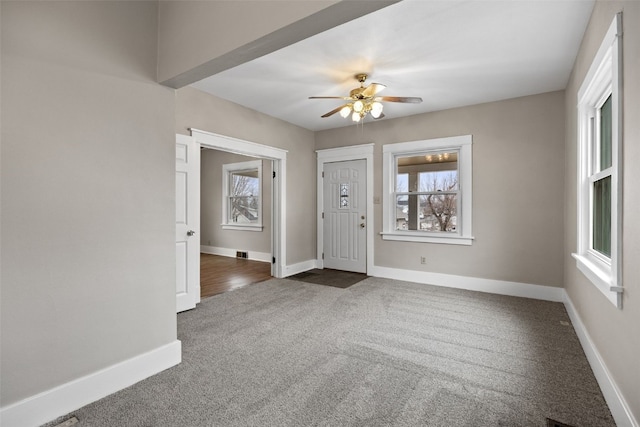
[427, 195]
[599, 173]
[242, 203]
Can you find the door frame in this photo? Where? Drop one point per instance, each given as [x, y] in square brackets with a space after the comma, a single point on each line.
[341, 154]
[279, 195]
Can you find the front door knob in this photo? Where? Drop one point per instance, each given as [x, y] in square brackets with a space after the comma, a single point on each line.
[362, 225]
[190, 233]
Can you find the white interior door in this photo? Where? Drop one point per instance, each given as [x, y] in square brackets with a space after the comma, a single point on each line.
[344, 204]
[187, 223]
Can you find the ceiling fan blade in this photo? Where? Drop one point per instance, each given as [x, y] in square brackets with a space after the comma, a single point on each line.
[332, 112]
[346, 98]
[372, 89]
[407, 99]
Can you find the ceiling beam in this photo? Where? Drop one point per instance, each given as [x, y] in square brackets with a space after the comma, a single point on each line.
[322, 20]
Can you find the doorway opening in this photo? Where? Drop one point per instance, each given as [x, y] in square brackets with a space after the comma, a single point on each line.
[236, 200]
[277, 159]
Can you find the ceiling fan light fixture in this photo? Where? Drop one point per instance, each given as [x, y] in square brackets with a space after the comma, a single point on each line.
[376, 109]
[364, 100]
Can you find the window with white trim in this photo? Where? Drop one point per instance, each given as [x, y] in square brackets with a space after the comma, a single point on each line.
[427, 191]
[242, 196]
[599, 246]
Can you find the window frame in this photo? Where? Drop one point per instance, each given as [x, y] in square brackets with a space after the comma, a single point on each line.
[390, 152]
[603, 79]
[227, 170]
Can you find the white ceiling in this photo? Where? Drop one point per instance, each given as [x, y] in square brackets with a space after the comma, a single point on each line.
[450, 53]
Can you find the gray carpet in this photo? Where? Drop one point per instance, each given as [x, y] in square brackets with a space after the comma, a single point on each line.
[380, 353]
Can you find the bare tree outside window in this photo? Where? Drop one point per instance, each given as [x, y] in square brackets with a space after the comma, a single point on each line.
[244, 197]
[438, 212]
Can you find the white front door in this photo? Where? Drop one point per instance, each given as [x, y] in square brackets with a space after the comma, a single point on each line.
[187, 223]
[344, 204]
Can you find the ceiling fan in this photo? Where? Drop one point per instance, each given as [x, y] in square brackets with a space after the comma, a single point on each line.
[363, 100]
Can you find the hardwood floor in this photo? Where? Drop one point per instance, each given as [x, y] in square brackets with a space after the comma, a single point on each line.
[220, 274]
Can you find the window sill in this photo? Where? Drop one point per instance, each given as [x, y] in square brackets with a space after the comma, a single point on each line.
[601, 277]
[242, 227]
[418, 236]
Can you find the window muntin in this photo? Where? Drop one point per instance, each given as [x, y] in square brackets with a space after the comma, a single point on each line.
[426, 199]
[242, 195]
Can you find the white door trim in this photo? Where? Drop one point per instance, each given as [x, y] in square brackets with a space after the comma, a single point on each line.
[279, 206]
[340, 154]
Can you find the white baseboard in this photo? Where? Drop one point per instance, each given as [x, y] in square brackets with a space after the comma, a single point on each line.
[49, 405]
[290, 270]
[501, 287]
[615, 400]
[252, 255]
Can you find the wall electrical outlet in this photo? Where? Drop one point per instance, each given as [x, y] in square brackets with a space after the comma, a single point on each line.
[423, 260]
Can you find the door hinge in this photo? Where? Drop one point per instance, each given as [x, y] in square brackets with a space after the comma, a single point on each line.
[323, 174]
[274, 174]
[322, 255]
[273, 260]
[322, 215]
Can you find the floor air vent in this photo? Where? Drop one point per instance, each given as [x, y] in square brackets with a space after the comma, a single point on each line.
[554, 423]
[70, 422]
[240, 254]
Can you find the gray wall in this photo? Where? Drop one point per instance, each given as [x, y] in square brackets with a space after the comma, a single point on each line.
[88, 198]
[199, 110]
[211, 232]
[613, 331]
[518, 202]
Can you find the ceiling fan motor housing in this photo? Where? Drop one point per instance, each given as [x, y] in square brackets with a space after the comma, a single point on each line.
[357, 93]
